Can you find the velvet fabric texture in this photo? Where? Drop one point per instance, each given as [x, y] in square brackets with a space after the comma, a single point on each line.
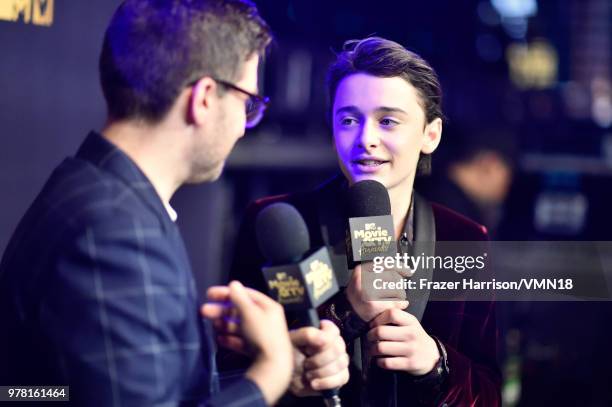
[467, 329]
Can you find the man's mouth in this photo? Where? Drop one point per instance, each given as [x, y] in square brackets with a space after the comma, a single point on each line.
[369, 162]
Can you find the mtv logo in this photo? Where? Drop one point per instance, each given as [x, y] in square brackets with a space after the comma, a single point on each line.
[42, 12]
[15, 10]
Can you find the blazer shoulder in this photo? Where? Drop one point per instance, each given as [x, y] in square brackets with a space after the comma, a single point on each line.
[80, 194]
[452, 226]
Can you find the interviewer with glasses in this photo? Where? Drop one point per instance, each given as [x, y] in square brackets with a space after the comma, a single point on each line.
[96, 289]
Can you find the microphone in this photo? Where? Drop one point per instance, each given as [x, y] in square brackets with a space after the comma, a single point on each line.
[300, 281]
[370, 230]
[371, 234]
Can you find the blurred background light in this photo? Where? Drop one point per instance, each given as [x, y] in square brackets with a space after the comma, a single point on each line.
[602, 101]
[515, 8]
[515, 14]
[533, 65]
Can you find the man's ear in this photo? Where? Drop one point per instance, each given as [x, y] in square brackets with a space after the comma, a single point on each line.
[432, 136]
[202, 101]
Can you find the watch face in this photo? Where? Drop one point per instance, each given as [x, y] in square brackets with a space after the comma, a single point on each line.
[442, 365]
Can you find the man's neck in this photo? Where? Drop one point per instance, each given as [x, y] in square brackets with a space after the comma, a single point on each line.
[151, 148]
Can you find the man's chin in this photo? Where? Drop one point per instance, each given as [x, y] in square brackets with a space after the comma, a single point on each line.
[210, 175]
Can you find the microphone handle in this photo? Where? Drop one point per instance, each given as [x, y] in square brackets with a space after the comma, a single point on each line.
[331, 397]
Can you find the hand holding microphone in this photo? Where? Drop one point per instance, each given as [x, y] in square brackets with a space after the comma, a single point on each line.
[364, 306]
[301, 281]
[321, 362]
[395, 339]
[398, 342]
[249, 322]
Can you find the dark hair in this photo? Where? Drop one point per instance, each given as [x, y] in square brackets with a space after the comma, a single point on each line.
[154, 48]
[386, 59]
[465, 142]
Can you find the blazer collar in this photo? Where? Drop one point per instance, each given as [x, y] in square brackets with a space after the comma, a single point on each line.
[108, 157]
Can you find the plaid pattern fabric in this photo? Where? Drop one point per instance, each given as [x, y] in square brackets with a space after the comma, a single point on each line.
[96, 292]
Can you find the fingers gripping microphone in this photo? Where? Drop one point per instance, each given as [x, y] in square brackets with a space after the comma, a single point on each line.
[300, 281]
[370, 225]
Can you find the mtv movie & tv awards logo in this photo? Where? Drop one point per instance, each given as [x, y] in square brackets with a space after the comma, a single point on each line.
[373, 239]
[321, 277]
[288, 288]
[36, 12]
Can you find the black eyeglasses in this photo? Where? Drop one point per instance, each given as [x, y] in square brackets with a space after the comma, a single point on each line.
[255, 105]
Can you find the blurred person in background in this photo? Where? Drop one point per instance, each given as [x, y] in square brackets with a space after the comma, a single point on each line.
[472, 173]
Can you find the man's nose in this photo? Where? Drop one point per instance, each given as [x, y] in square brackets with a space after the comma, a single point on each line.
[368, 136]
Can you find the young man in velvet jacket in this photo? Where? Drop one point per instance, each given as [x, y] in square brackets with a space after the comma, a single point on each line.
[387, 120]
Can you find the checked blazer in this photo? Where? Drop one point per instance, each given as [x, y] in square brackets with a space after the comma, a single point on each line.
[96, 292]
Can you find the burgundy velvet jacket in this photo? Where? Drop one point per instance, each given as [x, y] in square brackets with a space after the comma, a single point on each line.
[467, 329]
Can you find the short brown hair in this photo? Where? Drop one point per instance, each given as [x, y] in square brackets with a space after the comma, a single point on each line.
[384, 58]
[154, 48]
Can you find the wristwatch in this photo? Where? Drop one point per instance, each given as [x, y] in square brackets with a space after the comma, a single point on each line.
[440, 371]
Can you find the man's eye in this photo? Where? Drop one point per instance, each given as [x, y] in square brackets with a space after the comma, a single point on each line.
[388, 122]
[348, 121]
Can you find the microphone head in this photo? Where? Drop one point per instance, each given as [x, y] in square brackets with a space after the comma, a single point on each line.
[282, 234]
[368, 198]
